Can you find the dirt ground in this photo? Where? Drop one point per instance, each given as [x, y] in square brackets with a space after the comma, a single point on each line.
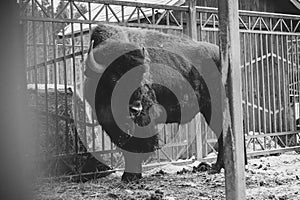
[274, 177]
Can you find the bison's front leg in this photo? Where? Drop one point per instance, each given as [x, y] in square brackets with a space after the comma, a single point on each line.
[133, 166]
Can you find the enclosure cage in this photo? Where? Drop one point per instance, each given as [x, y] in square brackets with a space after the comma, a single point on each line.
[56, 42]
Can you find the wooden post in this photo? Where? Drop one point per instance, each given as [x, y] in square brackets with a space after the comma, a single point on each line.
[192, 19]
[232, 115]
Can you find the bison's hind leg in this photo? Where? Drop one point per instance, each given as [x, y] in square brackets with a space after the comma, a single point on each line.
[216, 168]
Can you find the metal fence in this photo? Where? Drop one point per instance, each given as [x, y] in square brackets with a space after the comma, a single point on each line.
[56, 43]
[270, 76]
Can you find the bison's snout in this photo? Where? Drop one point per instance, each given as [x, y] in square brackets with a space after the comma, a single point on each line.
[136, 108]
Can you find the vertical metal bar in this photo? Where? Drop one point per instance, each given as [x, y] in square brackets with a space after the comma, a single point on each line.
[214, 32]
[187, 23]
[92, 114]
[252, 83]
[268, 84]
[181, 23]
[55, 79]
[207, 135]
[89, 10]
[246, 84]
[46, 77]
[65, 92]
[273, 85]
[74, 79]
[153, 16]
[198, 138]
[82, 86]
[293, 82]
[103, 139]
[257, 83]
[187, 139]
[200, 27]
[243, 78]
[32, 8]
[93, 131]
[298, 80]
[173, 139]
[35, 57]
[290, 79]
[288, 88]
[36, 128]
[138, 15]
[165, 135]
[190, 130]
[161, 135]
[263, 75]
[158, 155]
[284, 85]
[122, 12]
[168, 17]
[178, 138]
[111, 155]
[106, 12]
[26, 50]
[279, 83]
[203, 130]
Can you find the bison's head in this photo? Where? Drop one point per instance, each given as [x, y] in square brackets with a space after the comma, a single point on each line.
[106, 45]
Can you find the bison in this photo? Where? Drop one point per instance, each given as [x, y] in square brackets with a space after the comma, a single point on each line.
[137, 78]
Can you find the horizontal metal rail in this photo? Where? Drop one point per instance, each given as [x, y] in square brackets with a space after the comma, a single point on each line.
[272, 151]
[270, 32]
[70, 155]
[251, 13]
[58, 59]
[272, 134]
[137, 4]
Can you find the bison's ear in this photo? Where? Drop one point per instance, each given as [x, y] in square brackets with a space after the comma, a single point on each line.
[91, 62]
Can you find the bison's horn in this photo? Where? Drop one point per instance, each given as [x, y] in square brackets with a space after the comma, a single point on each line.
[91, 62]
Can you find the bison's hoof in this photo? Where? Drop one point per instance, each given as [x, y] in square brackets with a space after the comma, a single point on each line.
[202, 167]
[130, 177]
[215, 169]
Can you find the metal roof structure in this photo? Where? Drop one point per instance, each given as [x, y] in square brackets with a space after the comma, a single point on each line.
[99, 14]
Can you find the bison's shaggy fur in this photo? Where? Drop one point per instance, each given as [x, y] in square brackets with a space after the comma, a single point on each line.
[119, 50]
